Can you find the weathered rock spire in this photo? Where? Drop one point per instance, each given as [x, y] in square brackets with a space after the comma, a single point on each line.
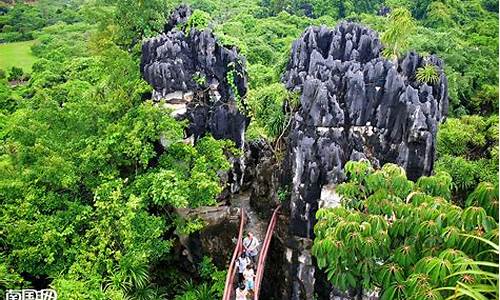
[354, 104]
[198, 77]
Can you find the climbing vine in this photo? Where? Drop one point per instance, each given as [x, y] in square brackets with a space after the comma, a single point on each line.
[231, 76]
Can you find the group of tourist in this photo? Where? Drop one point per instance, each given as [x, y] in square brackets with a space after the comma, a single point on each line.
[246, 267]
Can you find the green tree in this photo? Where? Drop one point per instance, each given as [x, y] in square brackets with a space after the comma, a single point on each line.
[139, 19]
[400, 27]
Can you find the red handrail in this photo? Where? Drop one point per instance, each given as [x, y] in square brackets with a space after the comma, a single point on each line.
[231, 272]
[263, 253]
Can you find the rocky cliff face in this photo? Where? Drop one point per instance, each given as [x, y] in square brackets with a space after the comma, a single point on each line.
[201, 80]
[354, 104]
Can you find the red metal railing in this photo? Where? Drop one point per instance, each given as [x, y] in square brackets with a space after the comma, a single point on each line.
[263, 253]
[231, 272]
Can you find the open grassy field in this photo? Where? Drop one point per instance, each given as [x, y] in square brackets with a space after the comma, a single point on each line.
[16, 54]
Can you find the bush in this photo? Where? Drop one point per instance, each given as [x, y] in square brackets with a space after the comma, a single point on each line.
[468, 150]
[16, 73]
[198, 20]
[402, 238]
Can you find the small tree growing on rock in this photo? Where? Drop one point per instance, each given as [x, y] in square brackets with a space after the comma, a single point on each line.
[400, 26]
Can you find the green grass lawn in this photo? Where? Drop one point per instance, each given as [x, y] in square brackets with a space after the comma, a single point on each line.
[16, 54]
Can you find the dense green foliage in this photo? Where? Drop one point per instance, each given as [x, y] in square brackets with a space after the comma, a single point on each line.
[20, 22]
[468, 150]
[88, 196]
[463, 33]
[406, 238]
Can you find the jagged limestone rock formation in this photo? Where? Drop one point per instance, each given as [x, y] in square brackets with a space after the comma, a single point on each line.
[355, 104]
[204, 83]
[200, 79]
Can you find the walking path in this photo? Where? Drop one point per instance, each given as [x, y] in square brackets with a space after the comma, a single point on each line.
[253, 223]
[262, 232]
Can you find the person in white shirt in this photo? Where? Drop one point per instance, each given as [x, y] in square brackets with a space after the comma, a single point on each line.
[250, 245]
[241, 292]
[242, 263]
[249, 277]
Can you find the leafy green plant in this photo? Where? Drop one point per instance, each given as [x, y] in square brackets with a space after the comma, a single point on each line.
[427, 74]
[198, 20]
[283, 193]
[211, 288]
[395, 38]
[272, 107]
[186, 227]
[200, 79]
[486, 196]
[478, 280]
[209, 272]
[404, 238]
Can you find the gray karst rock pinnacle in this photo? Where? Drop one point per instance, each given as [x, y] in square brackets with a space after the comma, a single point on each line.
[200, 79]
[354, 104]
[204, 83]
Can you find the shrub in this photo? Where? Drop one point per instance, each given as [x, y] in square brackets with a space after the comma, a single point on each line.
[408, 240]
[427, 74]
[16, 73]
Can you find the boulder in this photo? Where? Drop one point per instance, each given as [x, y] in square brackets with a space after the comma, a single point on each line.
[217, 239]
